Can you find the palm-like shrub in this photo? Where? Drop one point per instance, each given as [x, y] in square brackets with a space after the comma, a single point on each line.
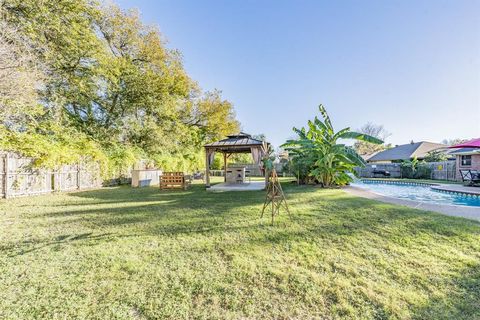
[316, 155]
[415, 169]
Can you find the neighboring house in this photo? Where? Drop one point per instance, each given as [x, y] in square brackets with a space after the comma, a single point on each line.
[368, 156]
[467, 159]
[405, 152]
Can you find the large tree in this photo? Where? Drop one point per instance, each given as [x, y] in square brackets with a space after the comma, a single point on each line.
[112, 78]
[374, 130]
[20, 77]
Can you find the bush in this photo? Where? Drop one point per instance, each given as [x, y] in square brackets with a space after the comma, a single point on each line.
[421, 171]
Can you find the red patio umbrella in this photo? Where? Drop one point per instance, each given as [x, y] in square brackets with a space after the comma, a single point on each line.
[475, 143]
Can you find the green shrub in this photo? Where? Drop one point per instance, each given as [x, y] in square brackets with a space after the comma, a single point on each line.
[317, 156]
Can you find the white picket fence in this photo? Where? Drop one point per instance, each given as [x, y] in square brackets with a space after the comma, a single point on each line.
[19, 177]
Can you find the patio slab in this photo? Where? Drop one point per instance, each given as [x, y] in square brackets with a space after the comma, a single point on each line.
[252, 186]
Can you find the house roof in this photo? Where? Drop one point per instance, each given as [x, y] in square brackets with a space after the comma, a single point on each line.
[407, 151]
[241, 142]
[465, 151]
[368, 156]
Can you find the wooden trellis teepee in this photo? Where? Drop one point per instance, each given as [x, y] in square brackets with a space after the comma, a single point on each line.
[275, 196]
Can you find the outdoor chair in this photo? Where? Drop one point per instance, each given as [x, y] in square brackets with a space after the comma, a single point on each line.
[175, 180]
[470, 177]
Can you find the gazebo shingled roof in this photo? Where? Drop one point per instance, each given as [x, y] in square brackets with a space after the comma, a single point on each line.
[239, 143]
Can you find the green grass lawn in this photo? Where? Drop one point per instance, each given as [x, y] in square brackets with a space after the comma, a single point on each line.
[123, 253]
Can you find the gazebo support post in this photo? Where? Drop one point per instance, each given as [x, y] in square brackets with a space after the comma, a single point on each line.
[207, 170]
[224, 167]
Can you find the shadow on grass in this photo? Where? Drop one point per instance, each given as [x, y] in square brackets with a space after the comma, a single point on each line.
[28, 246]
[155, 212]
[316, 213]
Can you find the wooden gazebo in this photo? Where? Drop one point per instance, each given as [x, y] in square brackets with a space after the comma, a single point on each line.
[240, 143]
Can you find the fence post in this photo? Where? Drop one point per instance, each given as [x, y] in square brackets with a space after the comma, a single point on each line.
[445, 168]
[6, 182]
[78, 175]
[54, 178]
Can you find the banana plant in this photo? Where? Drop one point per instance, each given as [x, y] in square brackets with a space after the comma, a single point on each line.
[411, 164]
[318, 154]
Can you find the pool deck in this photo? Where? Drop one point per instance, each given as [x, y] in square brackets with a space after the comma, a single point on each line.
[450, 210]
[458, 188]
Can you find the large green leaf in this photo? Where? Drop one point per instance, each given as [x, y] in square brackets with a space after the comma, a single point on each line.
[360, 136]
[321, 126]
[340, 133]
[301, 132]
[326, 118]
[354, 157]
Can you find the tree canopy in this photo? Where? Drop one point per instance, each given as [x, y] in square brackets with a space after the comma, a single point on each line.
[374, 130]
[96, 75]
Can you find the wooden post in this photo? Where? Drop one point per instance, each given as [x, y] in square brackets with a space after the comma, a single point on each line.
[207, 170]
[78, 176]
[5, 177]
[224, 167]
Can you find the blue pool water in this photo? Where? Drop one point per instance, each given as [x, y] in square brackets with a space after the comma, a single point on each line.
[422, 193]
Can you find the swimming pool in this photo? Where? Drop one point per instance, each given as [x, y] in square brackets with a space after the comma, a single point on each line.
[418, 192]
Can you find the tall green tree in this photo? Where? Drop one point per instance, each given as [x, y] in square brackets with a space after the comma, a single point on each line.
[317, 153]
[63, 37]
[20, 75]
[112, 79]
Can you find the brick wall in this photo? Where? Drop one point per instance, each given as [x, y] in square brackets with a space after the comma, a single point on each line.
[475, 165]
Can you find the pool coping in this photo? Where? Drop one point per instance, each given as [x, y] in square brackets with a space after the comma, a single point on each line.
[450, 210]
[400, 182]
[441, 187]
[455, 189]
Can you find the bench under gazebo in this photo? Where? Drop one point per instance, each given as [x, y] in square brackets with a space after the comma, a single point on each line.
[235, 177]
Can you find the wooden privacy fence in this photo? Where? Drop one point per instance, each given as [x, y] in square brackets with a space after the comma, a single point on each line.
[368, 170]
[18, 177]
[443, 170]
